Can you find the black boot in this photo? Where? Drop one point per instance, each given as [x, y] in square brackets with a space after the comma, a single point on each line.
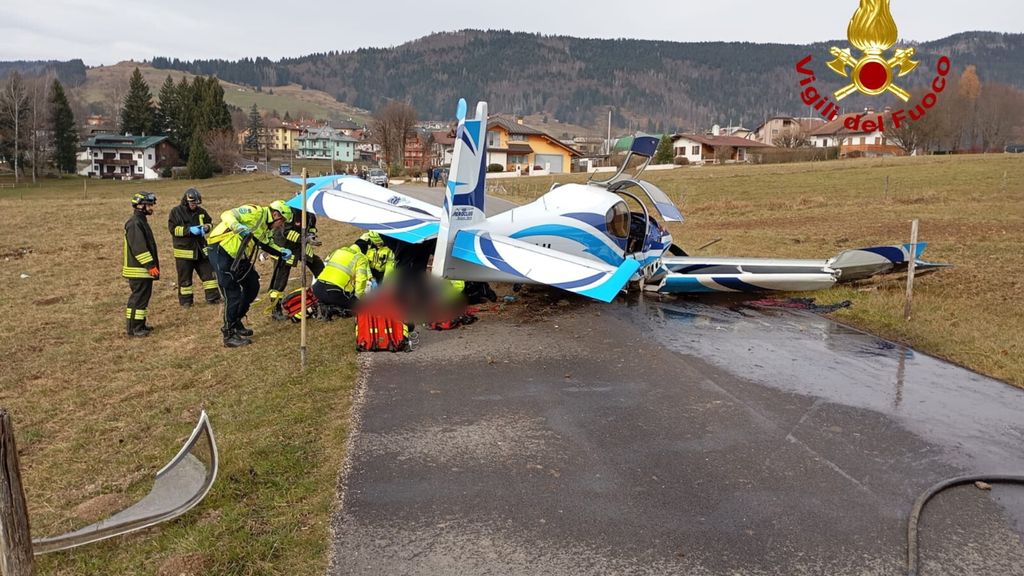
[278, 312]
[135, 328]
[241, 330]
[143, 327]
[233, 340]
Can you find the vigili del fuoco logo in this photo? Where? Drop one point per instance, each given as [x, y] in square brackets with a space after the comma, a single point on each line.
[872, 31]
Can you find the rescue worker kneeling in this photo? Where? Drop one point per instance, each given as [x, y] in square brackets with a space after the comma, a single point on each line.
[379, 255]
[344, 278]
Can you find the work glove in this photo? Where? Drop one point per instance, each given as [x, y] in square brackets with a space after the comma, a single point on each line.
[287, 255]
[154, 272]
[242, 230]
[196, 230]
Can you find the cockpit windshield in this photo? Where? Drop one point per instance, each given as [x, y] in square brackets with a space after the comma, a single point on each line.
[618, 220]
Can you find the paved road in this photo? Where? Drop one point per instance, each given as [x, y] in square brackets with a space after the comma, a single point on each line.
[674, 438]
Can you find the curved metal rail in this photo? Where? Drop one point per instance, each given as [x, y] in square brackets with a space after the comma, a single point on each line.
[178, 487]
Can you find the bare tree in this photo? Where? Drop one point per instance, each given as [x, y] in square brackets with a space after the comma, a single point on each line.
[14, 105]
[392, 125]
[792, 138]
[223, 148]
[999, 113]
[39, 94]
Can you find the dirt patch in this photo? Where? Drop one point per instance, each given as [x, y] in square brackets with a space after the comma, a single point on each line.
[17, 253]
[183, 565]
[47, 301]
[101, 507]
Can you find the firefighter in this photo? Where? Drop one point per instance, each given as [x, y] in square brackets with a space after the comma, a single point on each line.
[380, 256]
[141, 264]
[189, 223]
[290, 237]
[344, 278]
[233, 246]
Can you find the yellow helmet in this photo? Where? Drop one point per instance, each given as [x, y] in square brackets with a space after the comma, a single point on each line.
[284, 209]
[373, 237]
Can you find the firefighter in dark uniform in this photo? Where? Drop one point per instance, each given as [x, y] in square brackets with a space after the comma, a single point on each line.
[141, 265]
[189, 223]
[290, 237]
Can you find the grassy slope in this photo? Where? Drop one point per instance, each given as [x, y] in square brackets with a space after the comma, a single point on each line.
[96, 413]
[971, 215]
[100, 82]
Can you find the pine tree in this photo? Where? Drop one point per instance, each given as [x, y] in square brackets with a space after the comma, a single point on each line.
[138, 116]
[186, 116]
[200, 165]
[252, 140]
[65, 133]
[664, 154]
[287, 116]
[167, 112]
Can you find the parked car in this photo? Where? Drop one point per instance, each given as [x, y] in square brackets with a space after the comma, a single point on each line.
[250, 167]
[285, 170]
[378, 177]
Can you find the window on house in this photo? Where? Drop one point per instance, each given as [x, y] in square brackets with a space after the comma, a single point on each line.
[150, 156]
[695, 150]
[878, 140]
[493, 139]
[862, 139]
[517, 138]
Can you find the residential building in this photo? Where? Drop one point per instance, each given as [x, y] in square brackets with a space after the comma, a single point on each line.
[417, 147]
[326, 143]
[517, 146]
[442, 147]
[859, 142]
[128, 157]
[711, 149]
[780, 126]
[282, 135]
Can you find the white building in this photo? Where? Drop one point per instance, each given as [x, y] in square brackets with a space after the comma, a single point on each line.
[128, 157]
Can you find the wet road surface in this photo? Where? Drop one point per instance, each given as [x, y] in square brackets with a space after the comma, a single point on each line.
[675, 438]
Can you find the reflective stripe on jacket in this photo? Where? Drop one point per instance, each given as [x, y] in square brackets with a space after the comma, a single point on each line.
[347, 269]
[255, 218]
[187, 246]
[139, 248]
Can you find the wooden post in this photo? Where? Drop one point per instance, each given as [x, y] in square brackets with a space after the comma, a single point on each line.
[15, 537]
[910, 270]
[886, 187]
[302, 256]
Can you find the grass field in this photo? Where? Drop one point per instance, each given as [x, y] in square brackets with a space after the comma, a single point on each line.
[98, 414]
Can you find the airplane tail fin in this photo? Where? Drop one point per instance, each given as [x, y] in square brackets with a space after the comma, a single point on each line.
[464, 194]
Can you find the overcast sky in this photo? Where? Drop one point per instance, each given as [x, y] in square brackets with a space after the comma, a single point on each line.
[109, 31]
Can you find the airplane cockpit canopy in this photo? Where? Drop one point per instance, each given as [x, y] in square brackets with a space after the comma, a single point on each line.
[617, 220]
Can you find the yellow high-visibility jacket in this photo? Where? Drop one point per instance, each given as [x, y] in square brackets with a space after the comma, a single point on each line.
[348, 269]
[256, 218]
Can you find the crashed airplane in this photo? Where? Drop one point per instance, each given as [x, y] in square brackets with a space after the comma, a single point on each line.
[594, 239]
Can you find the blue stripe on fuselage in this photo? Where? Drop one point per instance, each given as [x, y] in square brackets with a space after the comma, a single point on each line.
[592, 244]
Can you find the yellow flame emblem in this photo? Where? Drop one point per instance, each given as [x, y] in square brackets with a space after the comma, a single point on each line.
[873, 31]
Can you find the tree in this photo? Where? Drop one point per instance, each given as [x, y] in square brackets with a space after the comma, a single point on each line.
[186, 116]
[255, 136]
[222, 148]
[64, 130]
[138, 116]
[14, 102]
[792, 138]
[38, 95]
[287, 117]
[392, 125]
[969, 90]
[664, 154]
[167, 112]
[200, 165]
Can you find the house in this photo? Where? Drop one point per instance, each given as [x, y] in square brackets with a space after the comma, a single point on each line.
[515, 145]
[346, 127]
[709, 148]
[283, 135]
[860, 141]
[128, 157]
[417, 147]
[442, 147]
[781, 126]
[326, 143]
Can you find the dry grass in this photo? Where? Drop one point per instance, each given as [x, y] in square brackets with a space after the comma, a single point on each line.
[972, 214]
[96, 413]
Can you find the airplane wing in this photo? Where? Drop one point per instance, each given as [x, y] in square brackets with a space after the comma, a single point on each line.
[542, 265]
[357, 202]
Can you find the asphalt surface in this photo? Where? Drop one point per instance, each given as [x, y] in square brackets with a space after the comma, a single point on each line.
[674, 438]
[435, 195]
